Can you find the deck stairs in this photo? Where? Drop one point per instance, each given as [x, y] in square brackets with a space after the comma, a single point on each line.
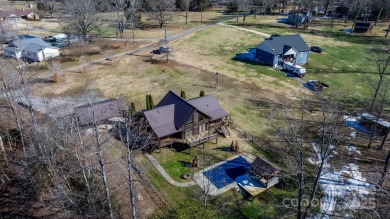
[225, 131]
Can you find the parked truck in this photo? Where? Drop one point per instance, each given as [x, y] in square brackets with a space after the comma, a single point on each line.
[295, 69]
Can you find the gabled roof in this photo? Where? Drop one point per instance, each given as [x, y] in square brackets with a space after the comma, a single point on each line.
[99, 111]
[23, 43]
[183, 110]
[276, 44]
[172, 112]
[161, 119]
[23, 12]
[263, 168]
[374, 119]
[35, 48]
[209, 106]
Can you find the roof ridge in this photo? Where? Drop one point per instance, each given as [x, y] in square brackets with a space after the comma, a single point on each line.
[186, 101]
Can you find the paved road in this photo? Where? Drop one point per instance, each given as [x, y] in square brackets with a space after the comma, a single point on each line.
[166, 176]
[145, 48]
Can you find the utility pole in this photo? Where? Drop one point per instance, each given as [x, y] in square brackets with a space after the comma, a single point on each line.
[201, 13]
[165, 28]
[186, 5]
[132, 29]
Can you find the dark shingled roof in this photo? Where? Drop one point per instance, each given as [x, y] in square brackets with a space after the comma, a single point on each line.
[103, 110]
[264, 168]
[182, 111]
[161, 119]
[209, 106]
[276, 44]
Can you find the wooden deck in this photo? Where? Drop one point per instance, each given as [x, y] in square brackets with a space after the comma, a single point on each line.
[200, 138]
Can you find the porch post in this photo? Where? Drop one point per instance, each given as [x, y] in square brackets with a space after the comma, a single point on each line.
[384, 139]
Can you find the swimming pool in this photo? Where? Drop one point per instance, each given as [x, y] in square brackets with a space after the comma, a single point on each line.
[227, 173]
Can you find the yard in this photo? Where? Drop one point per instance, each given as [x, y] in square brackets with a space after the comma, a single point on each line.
[248, 92]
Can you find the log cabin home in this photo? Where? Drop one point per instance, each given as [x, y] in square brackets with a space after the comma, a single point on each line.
[191, 122]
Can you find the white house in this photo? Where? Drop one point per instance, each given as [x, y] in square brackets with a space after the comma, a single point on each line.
[37, 53]
[34, 50]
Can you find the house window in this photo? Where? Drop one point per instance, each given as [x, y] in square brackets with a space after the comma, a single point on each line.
[190, 121]
[202, 127]
[188, 133]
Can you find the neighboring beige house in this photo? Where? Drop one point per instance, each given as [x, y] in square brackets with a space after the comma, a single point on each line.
[18, 14]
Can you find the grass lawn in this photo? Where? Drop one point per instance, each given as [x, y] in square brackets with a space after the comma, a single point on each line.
[344, 65]
[267, 205]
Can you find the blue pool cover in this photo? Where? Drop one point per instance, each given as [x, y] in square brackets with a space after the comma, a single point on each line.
[227, 173]
[357, 126]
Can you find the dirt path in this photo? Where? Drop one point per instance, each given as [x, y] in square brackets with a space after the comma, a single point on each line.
[244, 29]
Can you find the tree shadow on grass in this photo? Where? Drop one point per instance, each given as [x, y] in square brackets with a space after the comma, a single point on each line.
[184, 163]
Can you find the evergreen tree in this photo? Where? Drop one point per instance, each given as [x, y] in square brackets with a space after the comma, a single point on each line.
[151, 101]
[147, 102]
[183, 94]
[132, 109]
[201, 94]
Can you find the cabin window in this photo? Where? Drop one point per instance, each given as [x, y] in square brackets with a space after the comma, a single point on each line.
[202, 127]
[188, 133]
[190, 121]
[201, 117]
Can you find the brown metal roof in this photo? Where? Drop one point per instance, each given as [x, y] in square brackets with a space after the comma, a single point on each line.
[264, 168]
[183, 110]
[209, 106]
[23, 12]
[103, 110]
[172, 112]
[161, 119]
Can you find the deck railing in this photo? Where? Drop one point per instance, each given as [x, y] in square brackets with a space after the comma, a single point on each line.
[202, 140]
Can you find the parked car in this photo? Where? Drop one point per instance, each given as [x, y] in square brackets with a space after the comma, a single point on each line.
[316, 49]
[156, 51]
[165, 49]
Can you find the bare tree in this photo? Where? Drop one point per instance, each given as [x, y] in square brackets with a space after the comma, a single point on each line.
[135, 136]
[293, 134]
[186, 4]
[49, 5]
[295, 130]
[125, 13]
[382, 61]
[161, 10]
[99, 143]
[82, 18]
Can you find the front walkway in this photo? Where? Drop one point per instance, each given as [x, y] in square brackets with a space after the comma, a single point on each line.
[166, 175]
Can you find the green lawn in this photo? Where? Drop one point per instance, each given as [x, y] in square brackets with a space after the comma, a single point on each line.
[345, 64]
